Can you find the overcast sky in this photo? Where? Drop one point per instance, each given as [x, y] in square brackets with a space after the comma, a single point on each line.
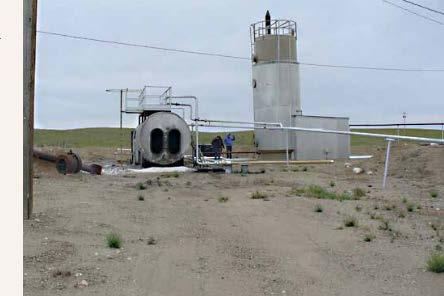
[72, 75]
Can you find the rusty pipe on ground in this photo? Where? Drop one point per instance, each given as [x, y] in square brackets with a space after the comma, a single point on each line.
[44, 156]
[68, 163]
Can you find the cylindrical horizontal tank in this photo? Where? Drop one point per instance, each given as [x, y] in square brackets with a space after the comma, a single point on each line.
[275, 73]
[162, 139]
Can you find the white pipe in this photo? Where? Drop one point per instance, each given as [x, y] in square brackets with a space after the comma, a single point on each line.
[385, 136]
[240, 122]
[196, 104]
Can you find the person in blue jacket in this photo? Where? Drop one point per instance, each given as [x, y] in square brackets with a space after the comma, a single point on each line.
[229, 139]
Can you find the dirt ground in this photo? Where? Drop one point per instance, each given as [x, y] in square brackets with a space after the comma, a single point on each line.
[181, 240]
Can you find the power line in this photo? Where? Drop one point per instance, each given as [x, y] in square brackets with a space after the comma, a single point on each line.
[230, 56]
[142, 45]
[372, 68]
[424, 7]
[415, 13]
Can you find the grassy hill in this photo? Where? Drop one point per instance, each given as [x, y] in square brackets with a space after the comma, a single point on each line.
[114, 137]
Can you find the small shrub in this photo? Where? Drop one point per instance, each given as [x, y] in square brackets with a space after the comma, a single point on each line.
[358, 208]
[113, 240]
[434, 226]
[418, 206]
[332, 184]
[141, 198]
[372, 216]
[385, 225]
[318, 208]
[140, 186]
[151, 241]
[434, 194]
[438, 248]
[435, 263]
[258, 195]
[350, 221]
[376, 207]
[304, 169]
[401, 214]
[296, 169]
[404, 200]
[411, 207]
[358, 193]
[222, 199]
[369, 237]
[389, 207]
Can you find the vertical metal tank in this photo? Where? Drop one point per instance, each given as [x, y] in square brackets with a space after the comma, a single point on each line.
[275, 74]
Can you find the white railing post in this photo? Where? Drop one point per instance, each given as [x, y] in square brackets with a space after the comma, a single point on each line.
[387, 159]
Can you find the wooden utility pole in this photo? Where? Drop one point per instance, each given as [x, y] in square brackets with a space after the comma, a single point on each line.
[29, 47]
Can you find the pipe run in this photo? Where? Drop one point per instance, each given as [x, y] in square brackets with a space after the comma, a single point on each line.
[68, 163]
[385, 136]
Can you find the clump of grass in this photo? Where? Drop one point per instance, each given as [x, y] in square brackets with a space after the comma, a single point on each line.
[170, 175]
[140, 186]
[297, 191]
[369, 237]
[372, 216]
[321, 193]
[401, 214]
[435, 263]
[411, 207]
[151, 241]
[295, 169]
[332, 184]
[385, 225]
[418, 206]
[434, 226]
[438, 248]
[358, 208]
[434, 194]
[376, 207]
[141, 197]
[258, 195]
[404, 200]
[350, 221]
[304, 169]
[389, 207]
[188, 183]
[113, 240]
[222, 199]
[358, 193]
[318, 208]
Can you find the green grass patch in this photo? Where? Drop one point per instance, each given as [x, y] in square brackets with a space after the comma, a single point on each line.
[358, 193]
[369, 237]
[170, 175]
[350, 221]
[411, 207]
[433, 194]
[435, 263]
[222, 199]
[258, 195]
[318, 208]
[113, 240]
[140, 186]
[319, 192]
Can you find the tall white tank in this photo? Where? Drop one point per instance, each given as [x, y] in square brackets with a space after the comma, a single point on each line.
[275, 73]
